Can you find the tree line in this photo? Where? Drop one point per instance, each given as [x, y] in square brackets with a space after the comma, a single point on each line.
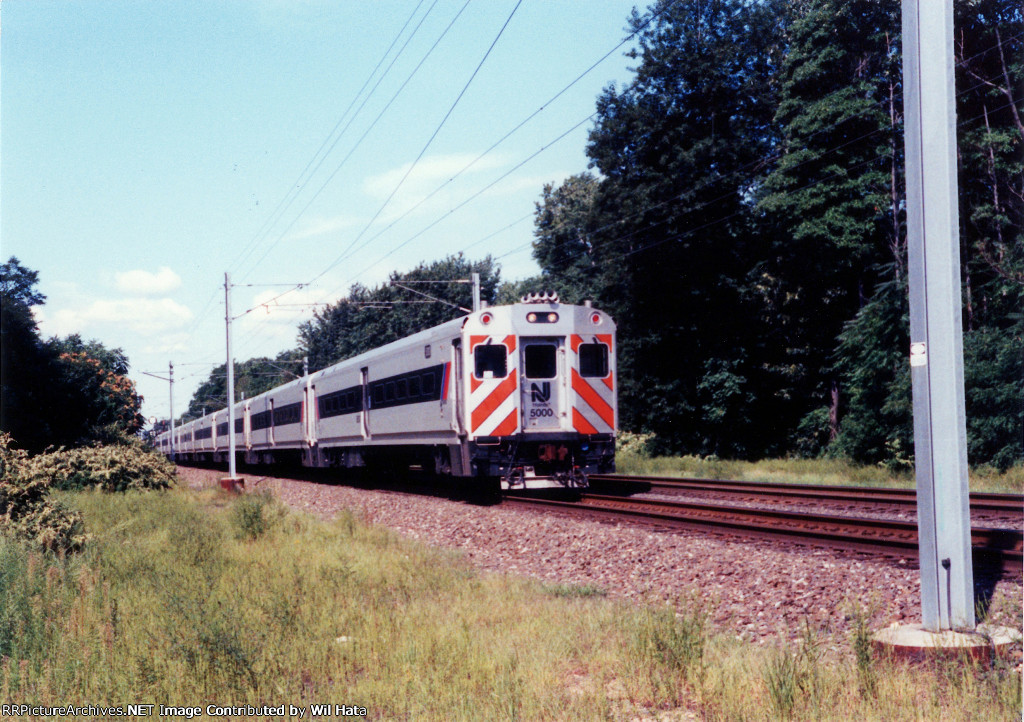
[59, 391]
[746, 226]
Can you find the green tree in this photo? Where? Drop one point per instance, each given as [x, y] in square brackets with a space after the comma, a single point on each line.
[24, 359]
[834, 195]
[679, 151]
[836, 192]
[565, 248]
[252, 377]
[61, 392]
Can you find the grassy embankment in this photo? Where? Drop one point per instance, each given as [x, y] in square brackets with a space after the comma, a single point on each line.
[189, 599]
[804, 471]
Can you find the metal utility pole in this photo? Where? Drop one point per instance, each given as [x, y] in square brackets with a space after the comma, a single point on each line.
[230, 380]
[936, 335]
[170, 369]
[170, 378]
[476, 292]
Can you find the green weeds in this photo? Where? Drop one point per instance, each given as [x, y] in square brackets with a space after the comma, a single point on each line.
[183, 596]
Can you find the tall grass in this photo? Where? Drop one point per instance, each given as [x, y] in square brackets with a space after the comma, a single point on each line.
[801, 471]
[186, 599]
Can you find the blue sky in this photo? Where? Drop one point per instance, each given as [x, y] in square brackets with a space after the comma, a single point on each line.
[147, 147]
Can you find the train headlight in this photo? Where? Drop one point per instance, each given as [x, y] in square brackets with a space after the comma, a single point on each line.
[533, 317]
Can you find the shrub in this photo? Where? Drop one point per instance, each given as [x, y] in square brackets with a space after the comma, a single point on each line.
[253, 514]
[629, 443]
[26, 510]
[118, 467]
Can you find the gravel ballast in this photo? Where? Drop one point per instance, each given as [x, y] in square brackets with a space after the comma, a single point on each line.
[751, 589]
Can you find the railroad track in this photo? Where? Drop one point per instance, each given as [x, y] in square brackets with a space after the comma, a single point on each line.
[1008, 505]
[1000, 547]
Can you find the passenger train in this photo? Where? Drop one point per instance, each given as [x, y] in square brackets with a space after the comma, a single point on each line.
[523, 393]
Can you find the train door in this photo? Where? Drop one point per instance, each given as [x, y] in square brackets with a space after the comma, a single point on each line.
[542, 365]
[246, 427]
[364, 416]
[309, 415]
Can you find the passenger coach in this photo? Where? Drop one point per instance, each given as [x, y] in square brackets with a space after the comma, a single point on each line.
[523, 393]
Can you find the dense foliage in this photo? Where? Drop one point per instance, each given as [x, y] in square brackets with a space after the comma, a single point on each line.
[60, 392]
[748, 229]
[113, 467]
[27, 512]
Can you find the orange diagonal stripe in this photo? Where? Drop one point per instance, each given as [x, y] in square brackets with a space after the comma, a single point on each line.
[493, 401]
[583, 389]
[581, 424]
[508, 426]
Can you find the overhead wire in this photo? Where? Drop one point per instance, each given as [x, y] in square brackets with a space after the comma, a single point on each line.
[295, 188]
[359, 142]
[429, 142]
[508, 134]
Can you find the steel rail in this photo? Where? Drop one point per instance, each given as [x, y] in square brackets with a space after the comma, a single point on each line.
[879, 536]
[1012, 504]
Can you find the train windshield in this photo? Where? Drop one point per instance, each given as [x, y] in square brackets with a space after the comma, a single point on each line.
[490, 362]
[593, 360]
[540, 361]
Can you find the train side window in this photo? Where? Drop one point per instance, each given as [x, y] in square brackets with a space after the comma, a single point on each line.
[378, 393]
[414, 387]
[401, 388]
[389, 391]
[540, 361]
[490, 362]
[593, 360]
[428, 383]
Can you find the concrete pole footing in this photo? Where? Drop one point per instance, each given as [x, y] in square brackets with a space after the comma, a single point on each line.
[912, 642]
[234, 484]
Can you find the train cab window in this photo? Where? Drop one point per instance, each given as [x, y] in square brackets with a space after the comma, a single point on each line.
[490, 362]
[593, 360]
[540, 361]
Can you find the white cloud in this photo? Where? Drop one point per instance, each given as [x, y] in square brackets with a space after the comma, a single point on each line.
[431, 171]
[322, 226]
[168, 344]
[426, 179]
[144, 283]
[143, 316]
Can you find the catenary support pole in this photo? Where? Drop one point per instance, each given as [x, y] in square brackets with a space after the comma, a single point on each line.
[170, 366]
[231, 378]
[476, 292]
[936, 334]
